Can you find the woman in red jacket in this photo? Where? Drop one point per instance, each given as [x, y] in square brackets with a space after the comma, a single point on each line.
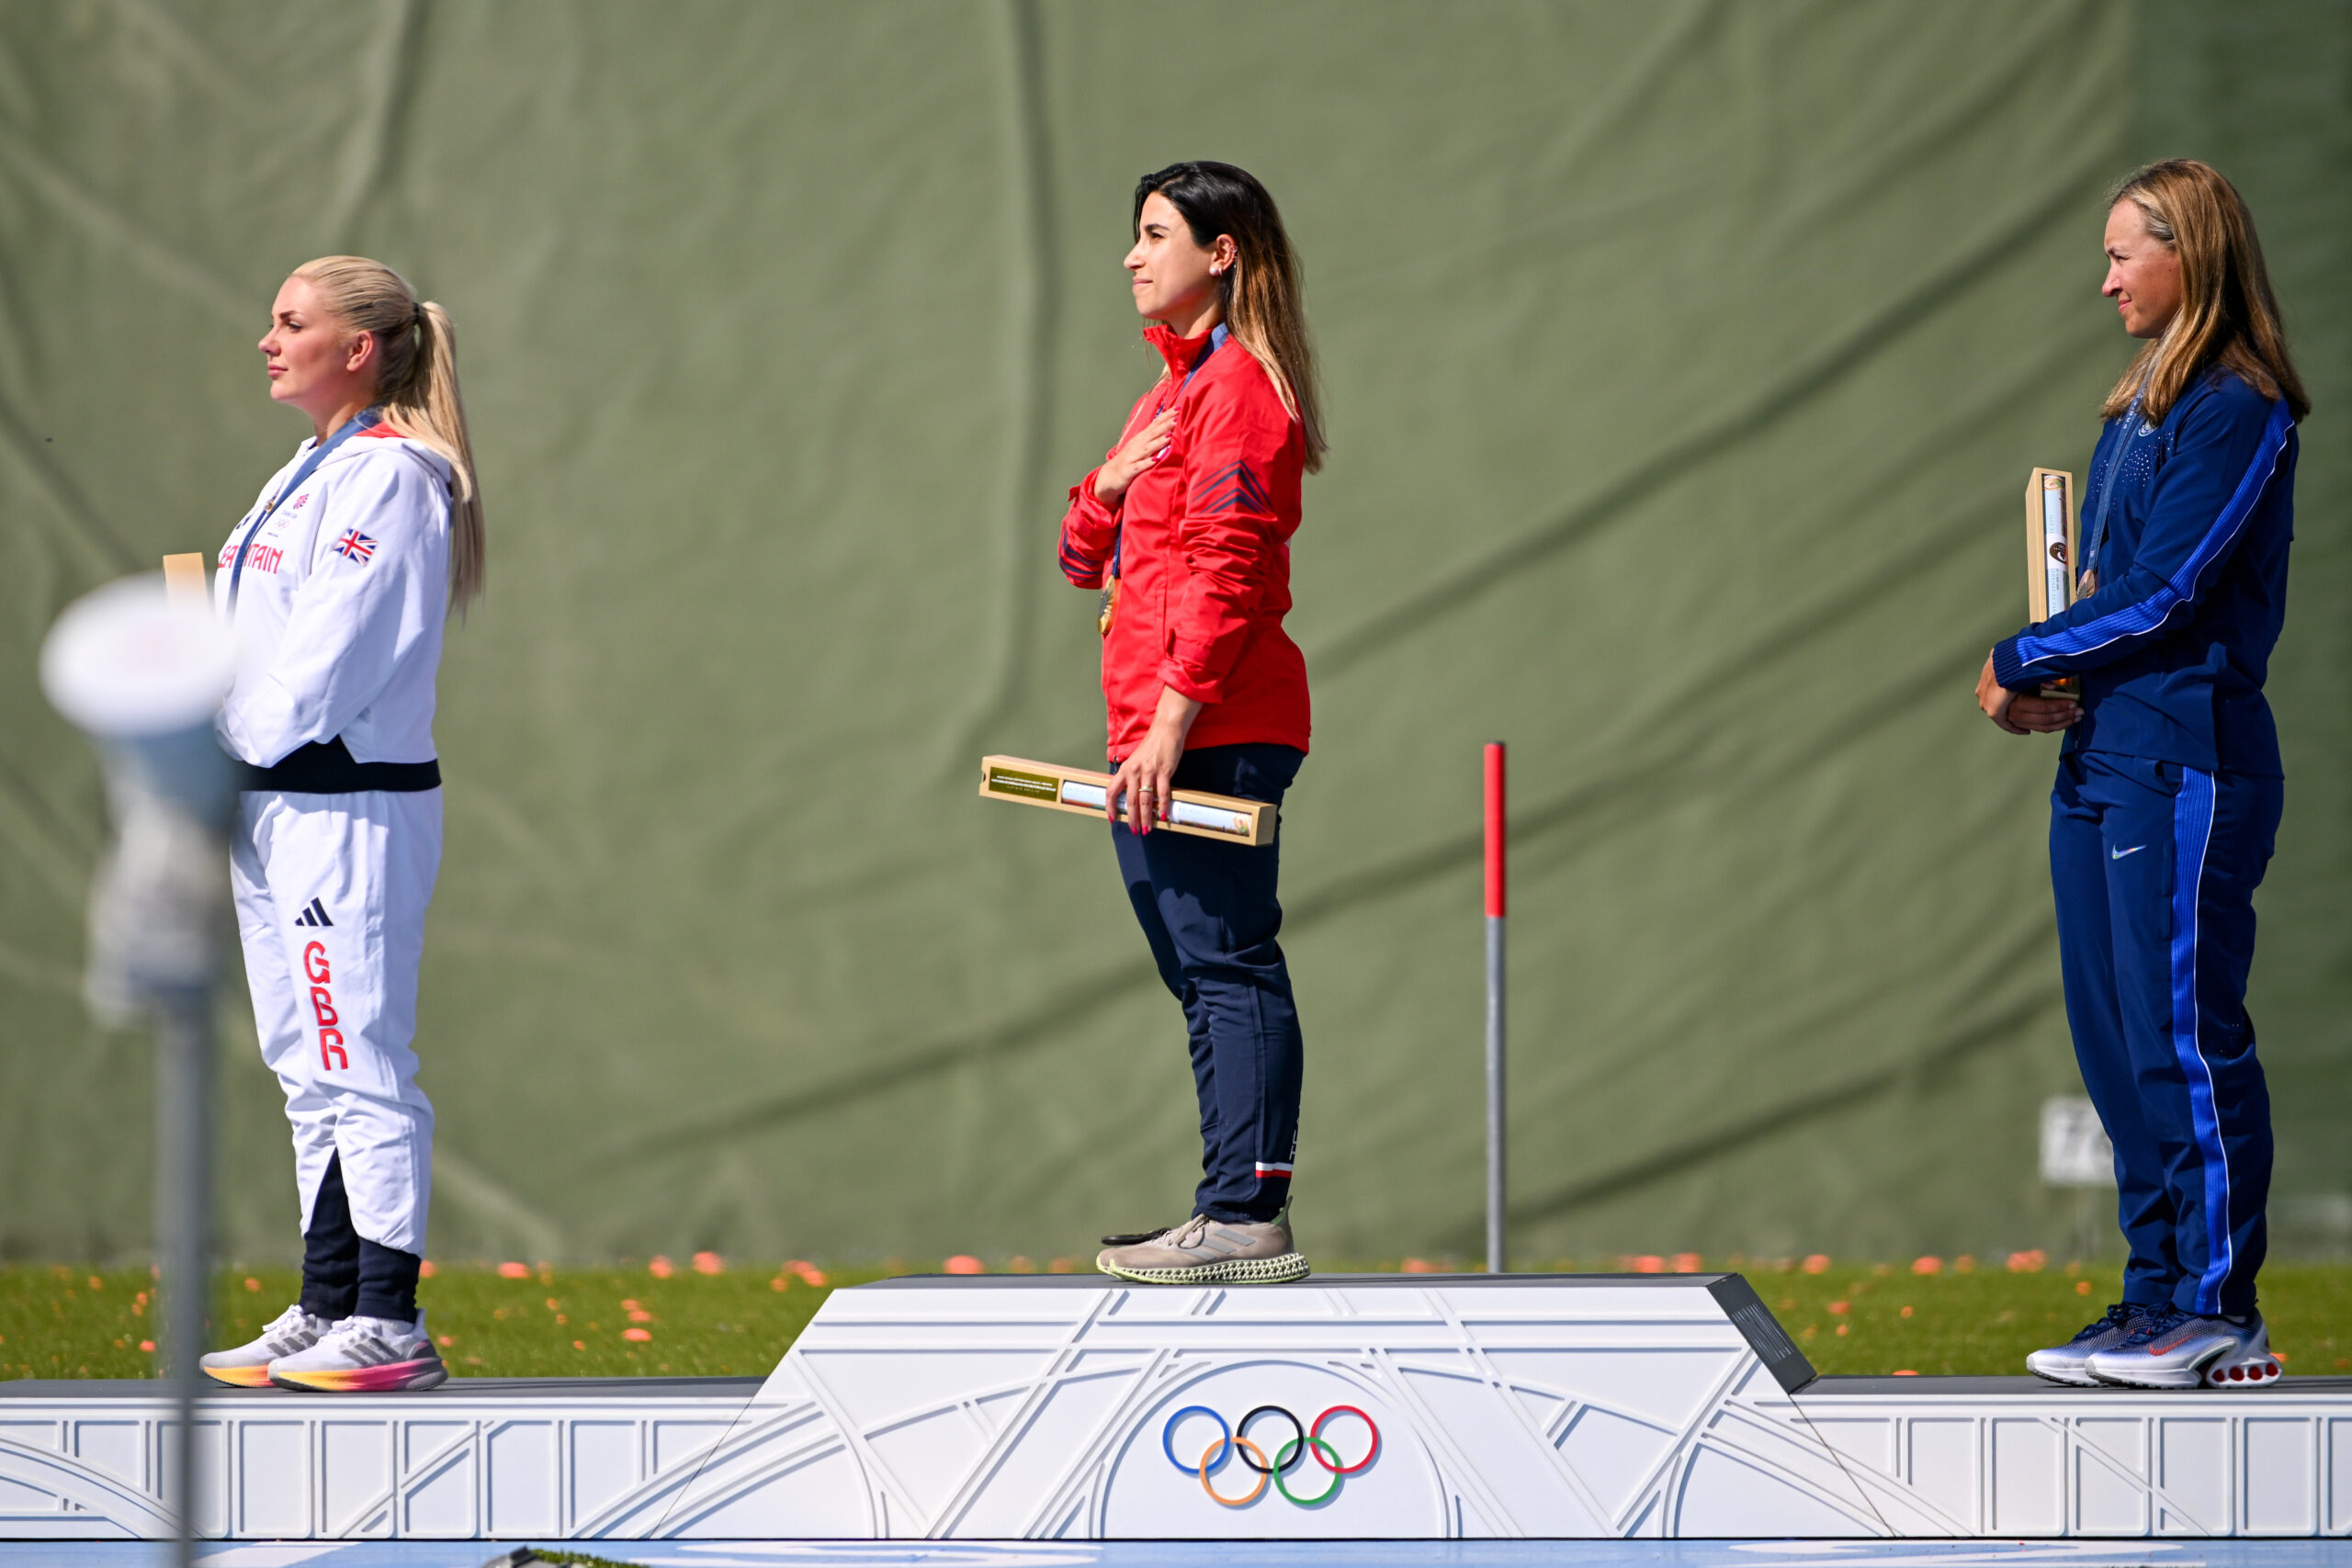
[1187, 525]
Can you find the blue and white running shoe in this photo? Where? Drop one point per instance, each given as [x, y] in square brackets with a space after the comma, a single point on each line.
[2068, 1363]
[2178, 1349]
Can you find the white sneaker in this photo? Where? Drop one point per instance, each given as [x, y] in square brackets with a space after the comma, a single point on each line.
[363, 1355]
[247, 1366]
[2178, 1350]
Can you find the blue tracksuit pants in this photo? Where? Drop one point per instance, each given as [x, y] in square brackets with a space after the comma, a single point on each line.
[1209, 912]
[2154, 866]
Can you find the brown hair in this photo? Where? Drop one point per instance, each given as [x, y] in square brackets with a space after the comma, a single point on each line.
[416, 386]
[1260, 292]
[2228, 317]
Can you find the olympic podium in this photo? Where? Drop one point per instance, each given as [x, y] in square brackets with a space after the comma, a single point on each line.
[1069, 1407]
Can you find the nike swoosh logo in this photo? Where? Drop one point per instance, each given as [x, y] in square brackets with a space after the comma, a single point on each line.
[2119, 854]
[2167, 1349]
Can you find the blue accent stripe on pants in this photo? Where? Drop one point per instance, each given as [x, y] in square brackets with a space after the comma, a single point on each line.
[2192, 831]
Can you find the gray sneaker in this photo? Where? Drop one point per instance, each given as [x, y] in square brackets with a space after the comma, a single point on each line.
[1203, 1251]
[2177, 1351]
[2066, 1363]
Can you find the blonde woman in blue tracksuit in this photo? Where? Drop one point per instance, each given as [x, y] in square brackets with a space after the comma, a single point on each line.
[2169, 784]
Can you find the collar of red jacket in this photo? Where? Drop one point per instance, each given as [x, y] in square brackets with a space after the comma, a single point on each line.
[1180, 352]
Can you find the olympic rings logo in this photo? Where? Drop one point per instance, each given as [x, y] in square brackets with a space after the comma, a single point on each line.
[1303, 1441]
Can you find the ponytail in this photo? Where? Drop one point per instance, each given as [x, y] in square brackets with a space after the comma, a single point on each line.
[416, 386]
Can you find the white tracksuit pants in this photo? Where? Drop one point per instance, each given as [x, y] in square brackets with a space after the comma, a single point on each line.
[331, 891]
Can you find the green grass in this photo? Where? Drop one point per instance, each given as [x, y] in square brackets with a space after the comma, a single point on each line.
[59, 1321]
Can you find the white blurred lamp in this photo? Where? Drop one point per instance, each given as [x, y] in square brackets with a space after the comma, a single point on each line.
[142, 672]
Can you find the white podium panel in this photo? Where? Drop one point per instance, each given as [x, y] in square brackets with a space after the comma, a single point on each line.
[1414, 1408]
[1067, 1407]
[2018, 1457]
[534, 1459]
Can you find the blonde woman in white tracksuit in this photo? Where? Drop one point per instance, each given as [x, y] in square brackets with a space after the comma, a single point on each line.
[338, 584]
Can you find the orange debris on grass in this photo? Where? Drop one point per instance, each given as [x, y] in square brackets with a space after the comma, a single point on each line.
[662, 1268]
[710, 1263]
[965, 1263]
[1927, 1265]
[513, 1271]
[1818, 1263]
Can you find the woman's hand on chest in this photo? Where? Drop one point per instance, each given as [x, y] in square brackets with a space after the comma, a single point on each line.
[1138, 452]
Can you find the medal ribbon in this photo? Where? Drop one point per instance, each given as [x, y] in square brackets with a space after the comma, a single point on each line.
[364, 419]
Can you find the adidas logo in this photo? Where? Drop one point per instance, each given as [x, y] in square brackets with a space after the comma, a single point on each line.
[316, 915]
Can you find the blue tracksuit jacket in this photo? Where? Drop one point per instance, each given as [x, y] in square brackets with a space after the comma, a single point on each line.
[2163, 819]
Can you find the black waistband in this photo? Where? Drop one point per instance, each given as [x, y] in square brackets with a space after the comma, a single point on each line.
[325, 767]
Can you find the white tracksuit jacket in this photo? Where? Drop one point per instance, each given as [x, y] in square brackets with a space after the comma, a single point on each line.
[339, 614]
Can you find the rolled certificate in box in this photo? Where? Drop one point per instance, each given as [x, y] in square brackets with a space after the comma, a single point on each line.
[1082, 793]
[2050, 548]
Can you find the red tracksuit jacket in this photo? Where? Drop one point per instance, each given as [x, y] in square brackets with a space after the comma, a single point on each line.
[1202, 541]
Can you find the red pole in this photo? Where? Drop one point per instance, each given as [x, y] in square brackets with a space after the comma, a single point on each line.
[1495, 902]
[1495, 827]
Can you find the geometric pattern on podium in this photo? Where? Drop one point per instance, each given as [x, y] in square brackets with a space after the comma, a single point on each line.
[2015, 1457]
[477, 1459]
[1071, 1407]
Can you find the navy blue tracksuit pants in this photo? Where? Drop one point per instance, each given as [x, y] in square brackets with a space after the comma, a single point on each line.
[2154, 866]
[1209, 912]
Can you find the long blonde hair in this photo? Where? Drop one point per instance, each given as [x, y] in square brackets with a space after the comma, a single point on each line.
[2228, 317]
[1260, 292]
[416, 386]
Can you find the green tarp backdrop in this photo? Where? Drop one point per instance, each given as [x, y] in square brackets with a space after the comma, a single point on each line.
[1685, 362]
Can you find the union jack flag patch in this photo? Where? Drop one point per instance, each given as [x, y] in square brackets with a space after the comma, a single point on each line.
[355, 544]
